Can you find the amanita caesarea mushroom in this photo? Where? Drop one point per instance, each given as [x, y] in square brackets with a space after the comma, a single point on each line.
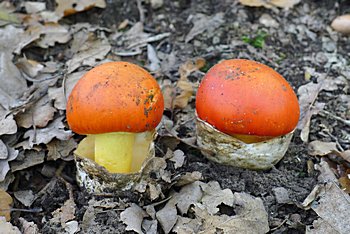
[117, 105]
[246, 114]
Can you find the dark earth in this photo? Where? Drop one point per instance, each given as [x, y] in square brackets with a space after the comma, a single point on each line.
[285, 50]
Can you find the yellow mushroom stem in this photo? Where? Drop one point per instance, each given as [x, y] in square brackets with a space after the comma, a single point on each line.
[118, 152]
[114, 151]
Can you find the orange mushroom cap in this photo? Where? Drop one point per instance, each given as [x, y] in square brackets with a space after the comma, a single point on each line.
[115, 97]
[241, 96]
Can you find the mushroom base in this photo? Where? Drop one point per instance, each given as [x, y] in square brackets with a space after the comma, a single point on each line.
[96, 178]
[225, 149]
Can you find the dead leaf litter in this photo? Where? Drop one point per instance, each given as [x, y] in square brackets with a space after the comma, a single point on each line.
[46, 47]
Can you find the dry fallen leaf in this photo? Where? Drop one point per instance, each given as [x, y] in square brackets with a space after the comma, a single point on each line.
[14, 39]
[133, 217]
[188, 195]
[7, 14]
[5, 205]
[320, 148]
[52, 33]
[4, 163]
[60, 94]
[44, 135]
[28, 227]
[250, 217]
[34, 7]
[7, 227]
[7, 123]
[13, 85]
[202, 23]
[186, 225]
[214, 196]
[3, 150]
[26, 197]
[178, 96]
[58, 149]
[30, 67]
[178, 158]
[332, 205]
[189, 177]
[308, 94]
[29, 158]
[154, 62]
[90, 53]
[38, 115]
[270, 3]
[344, 181]
[150, 226]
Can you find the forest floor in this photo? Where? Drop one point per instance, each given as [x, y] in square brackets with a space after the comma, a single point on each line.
[306, 192]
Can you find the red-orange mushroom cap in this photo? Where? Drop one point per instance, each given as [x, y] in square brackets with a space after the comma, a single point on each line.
[245, 97]
[115, 97]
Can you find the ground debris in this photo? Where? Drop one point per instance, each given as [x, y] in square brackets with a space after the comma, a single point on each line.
[270, 4]
[7, 227]
[132, 217]
[202, 23]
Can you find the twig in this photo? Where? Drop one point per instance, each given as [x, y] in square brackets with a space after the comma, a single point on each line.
[344, 121]
[141, 11]
[40, 80]
[33, 210]
[157, 37]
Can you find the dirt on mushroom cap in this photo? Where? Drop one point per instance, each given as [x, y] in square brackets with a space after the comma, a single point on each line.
[241, 96]
[115, 97]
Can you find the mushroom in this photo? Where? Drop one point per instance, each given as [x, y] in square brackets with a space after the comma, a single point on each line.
[118, 105]
[246, 114]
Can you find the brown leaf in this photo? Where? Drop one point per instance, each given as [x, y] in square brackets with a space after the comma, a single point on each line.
[28, 227]
[202, 23]
[188, 195]
[14, 39]
[51, 33]
[60, 94]
[7, 123]
[214, 196]
[5, 205]
[332, 206]
[44, 135]
[185, 91]
[29, 67]
[345, 182]
[133, 217]
[13, 85]
[59, 149]
[90, 53]
[179, 95]
[320, 148]
[308, 94]
[37, 115]
[30, 158]
[4, 163]
[251, 217]
[3, 150]
[7, 227]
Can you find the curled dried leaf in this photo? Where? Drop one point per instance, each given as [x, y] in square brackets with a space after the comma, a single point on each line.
[5, 205]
